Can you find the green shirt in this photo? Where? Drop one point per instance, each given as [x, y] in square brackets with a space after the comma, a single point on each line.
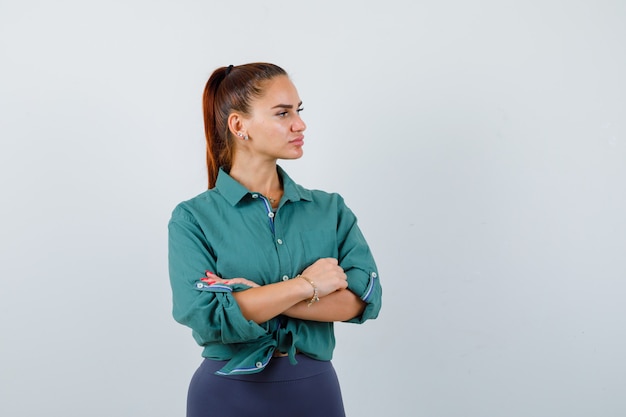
[233, 232]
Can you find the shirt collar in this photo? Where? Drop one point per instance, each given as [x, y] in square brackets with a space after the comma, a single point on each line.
[293, 191]
[234, 192]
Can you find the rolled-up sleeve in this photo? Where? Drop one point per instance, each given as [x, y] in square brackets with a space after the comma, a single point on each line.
[210, 311]
[358, 263]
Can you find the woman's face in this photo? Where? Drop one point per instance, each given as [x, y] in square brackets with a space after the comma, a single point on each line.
[274, 124]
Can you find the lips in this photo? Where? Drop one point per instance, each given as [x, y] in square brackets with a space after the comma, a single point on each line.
[297, 141]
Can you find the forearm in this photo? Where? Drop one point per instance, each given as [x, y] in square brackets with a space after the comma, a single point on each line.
[261, 304]
[340, 305]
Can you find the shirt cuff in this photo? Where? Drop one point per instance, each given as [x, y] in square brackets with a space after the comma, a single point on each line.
[367, 288]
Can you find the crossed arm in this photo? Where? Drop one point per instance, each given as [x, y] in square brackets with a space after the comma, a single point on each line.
[291, 298]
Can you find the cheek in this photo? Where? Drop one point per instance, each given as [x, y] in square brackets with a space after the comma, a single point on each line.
[271, 130]
[278, 129]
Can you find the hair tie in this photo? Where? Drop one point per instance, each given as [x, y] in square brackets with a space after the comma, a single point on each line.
[228, 70]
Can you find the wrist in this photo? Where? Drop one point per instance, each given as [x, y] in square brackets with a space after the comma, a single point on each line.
[314, 296]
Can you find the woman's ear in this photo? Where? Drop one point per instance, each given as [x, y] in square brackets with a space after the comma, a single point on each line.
[236, 125]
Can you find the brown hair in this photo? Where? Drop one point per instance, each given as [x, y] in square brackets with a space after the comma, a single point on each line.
[230, 89]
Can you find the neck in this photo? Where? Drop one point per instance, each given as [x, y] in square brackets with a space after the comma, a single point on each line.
[257, 176]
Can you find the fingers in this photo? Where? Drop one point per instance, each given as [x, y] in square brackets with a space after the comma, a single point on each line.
[211, 279]
[241, 281]
[328, 275]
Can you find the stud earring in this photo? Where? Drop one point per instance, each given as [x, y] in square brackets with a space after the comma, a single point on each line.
[241, 135]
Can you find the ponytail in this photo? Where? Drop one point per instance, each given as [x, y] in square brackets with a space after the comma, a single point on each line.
[218, 152]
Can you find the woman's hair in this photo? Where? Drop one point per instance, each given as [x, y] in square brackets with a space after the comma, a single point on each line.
[230, 89]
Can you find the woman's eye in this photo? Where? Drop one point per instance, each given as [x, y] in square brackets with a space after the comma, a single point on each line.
[286, 113]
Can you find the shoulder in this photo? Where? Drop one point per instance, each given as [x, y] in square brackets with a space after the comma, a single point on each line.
[318, 196]
[297, 192]
[189, 209]
[327, 202]
[323, 203]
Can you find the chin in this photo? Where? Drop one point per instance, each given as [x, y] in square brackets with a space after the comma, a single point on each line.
[293, 155]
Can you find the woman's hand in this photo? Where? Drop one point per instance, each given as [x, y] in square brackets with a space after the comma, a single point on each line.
[211, 279]
[327, 275]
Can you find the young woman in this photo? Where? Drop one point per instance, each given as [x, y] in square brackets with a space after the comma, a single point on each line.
[261, 267]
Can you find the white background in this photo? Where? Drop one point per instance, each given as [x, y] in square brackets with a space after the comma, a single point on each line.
[481, 143]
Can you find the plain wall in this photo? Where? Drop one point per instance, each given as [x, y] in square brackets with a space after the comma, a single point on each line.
[482, 145]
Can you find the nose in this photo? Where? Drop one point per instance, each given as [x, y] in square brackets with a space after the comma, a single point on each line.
[298, 124]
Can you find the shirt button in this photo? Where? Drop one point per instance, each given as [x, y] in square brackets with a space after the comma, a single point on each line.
[374, 275]
[285, 278]
[270, 214]
[255, 196]
[258, 365]
[279, 241]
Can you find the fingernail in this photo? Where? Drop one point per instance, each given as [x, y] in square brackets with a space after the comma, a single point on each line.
[208, 280]
[209, 272]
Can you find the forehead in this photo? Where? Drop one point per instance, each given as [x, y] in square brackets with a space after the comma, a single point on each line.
[278, 90]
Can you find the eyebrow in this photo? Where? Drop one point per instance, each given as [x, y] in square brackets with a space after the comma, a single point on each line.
[285, 106]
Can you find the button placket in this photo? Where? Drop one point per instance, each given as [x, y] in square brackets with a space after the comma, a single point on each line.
[268, 209]
[282, 250]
